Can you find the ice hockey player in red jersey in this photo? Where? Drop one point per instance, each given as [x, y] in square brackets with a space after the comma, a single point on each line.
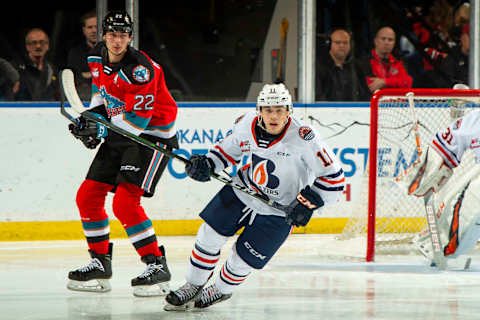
[287, 162]
[129, 90]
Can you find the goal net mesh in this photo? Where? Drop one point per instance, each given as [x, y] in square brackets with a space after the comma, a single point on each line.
[398, 217]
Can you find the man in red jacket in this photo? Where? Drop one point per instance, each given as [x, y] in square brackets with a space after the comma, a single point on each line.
[381, 68]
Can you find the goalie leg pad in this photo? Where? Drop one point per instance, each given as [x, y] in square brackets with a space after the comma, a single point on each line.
[469, 238]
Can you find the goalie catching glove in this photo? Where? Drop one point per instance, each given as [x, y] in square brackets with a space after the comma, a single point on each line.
[431, 173]
[88, 131]
[299, 212]
[199, 168]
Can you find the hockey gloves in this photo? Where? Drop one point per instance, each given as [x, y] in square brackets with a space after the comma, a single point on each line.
[87, 131]
[199, 168]
[299, 212]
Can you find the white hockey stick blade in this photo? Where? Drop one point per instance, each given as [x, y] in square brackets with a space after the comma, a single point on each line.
[68, 85]
[439, 259]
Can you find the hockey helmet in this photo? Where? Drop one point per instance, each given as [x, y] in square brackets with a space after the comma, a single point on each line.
[117, 21]
[274, 95]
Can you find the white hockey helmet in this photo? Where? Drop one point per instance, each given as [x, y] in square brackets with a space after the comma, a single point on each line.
[274, 95]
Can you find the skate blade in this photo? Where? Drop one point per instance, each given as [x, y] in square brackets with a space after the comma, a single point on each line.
[184, 307]
[96, 285]
[159, 289]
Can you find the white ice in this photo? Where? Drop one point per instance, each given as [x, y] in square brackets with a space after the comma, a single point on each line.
[299, 283]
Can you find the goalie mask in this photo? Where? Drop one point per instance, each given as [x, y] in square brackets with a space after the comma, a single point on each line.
[274, 95]
[117, 21]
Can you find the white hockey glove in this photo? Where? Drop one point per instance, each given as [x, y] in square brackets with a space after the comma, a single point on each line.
[429, 174]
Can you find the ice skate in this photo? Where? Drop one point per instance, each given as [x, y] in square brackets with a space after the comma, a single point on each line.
[183, 298]
[209, 296]
[93, 277]
[154, 280]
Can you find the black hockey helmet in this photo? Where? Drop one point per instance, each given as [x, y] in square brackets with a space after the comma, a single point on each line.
[117, 21]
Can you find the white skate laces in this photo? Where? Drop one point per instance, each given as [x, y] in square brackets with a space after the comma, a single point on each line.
[94, 264]
[151, 269]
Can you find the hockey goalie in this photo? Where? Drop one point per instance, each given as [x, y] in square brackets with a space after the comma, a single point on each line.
[455, 198]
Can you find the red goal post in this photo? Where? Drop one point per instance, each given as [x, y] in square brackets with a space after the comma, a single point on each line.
[391, 133]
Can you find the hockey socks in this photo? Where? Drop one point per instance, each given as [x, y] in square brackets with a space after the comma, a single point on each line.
[139, 228]
[91, 205]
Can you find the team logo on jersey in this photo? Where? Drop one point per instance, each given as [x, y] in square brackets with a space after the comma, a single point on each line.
[306, 133]
[262, 174]
[113, 105]
[141, 74]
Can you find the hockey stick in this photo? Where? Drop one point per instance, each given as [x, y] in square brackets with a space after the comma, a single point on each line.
[69, 92]
[432, 221]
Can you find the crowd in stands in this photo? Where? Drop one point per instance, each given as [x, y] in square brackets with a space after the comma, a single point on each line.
[431, 52]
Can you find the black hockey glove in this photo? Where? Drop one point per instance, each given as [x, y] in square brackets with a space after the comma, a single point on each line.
[299, 212]
[199, 168]
[86, 131]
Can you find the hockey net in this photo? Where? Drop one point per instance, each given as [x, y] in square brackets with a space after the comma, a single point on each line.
[385, 216]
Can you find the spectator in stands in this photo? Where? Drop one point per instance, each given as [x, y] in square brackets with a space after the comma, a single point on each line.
[77, 55]
[337, 78]
[9, 80]
[38, 77]
[460, 19]
[454, 68]
[381, 69]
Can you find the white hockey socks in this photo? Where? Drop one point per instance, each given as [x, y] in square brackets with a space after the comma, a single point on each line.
[205, 255]
[233, 273]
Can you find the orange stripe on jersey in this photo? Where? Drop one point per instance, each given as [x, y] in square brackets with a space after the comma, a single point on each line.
[331, 181]
[440, 148]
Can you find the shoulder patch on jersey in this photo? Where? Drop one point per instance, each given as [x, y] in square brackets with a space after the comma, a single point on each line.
[239, 118]
[141, 74]
[306, 133]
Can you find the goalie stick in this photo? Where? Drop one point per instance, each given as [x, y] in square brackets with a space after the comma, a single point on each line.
[69, 93]
[439, 259]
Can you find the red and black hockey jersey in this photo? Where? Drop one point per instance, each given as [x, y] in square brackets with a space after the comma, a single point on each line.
[133, 92]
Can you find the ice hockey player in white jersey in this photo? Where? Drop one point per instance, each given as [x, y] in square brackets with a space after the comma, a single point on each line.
[288, 163]
[433, 173]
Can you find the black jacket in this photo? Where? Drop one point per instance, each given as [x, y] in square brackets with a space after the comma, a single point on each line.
[339, 84]
[36, 85]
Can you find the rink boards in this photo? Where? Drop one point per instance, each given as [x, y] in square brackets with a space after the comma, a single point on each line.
[43, 165]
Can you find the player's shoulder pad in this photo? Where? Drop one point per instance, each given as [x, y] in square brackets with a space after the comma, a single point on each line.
[138, 68]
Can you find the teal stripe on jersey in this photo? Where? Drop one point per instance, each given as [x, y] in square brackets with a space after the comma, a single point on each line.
[94, 59]
[165, 127]
[94, 89]
[123, 76]
[136, 120]
[93, 225]
[152, 170]
[139, 227]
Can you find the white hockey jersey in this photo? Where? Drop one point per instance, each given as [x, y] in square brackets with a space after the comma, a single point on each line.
[460, 135]
[282, 168]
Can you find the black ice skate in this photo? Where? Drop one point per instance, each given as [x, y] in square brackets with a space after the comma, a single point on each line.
[154, 280]
[183, 298]
[93, 277]
[211, 295]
